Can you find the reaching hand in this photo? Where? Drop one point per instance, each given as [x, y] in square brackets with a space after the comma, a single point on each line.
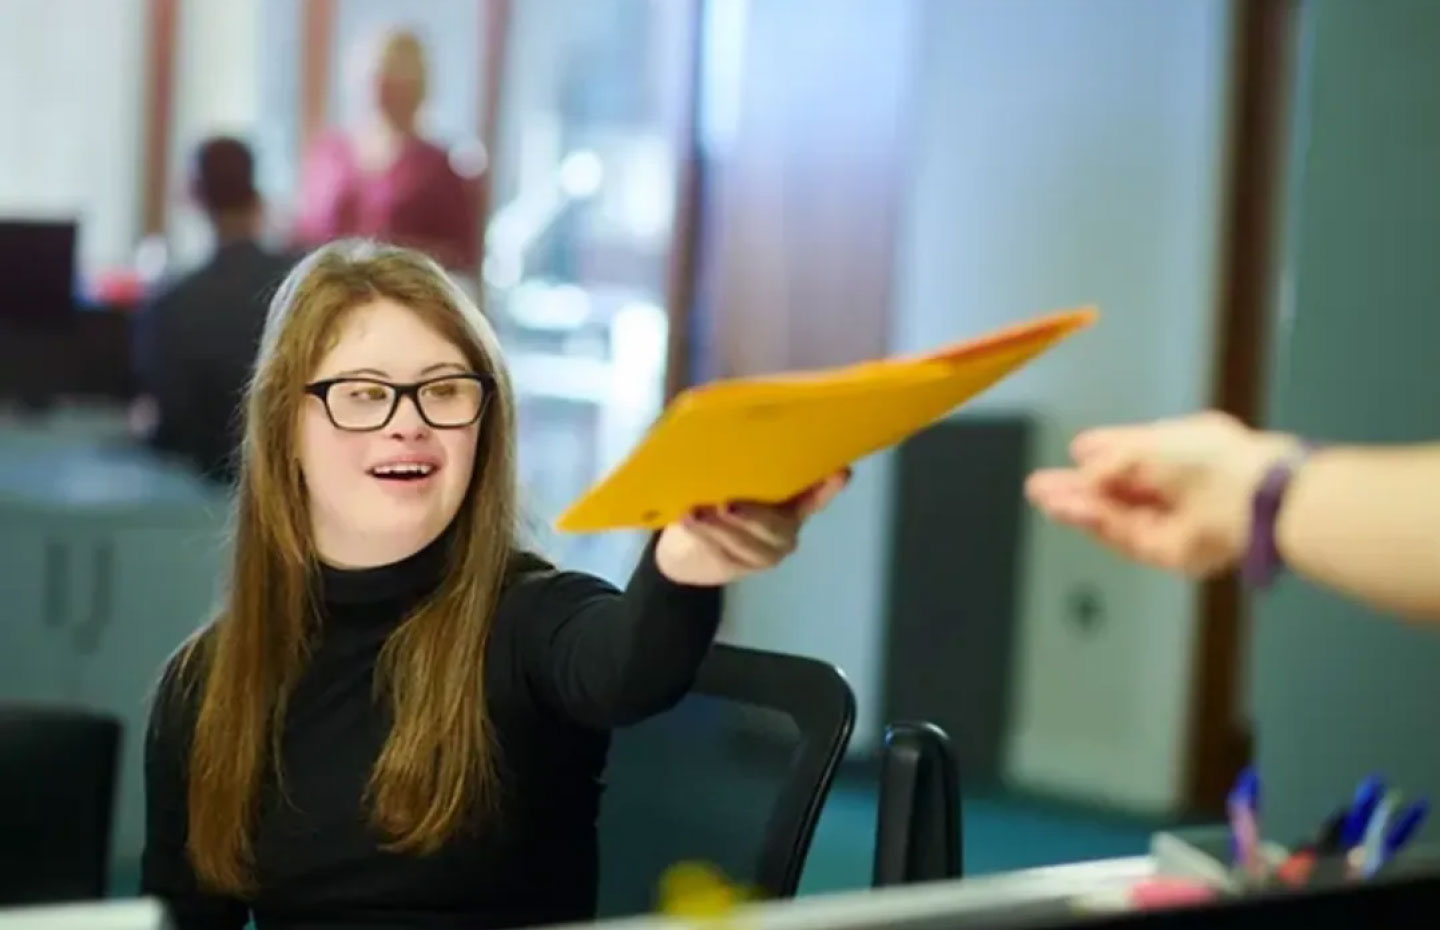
[1176, 494]
[715, 546]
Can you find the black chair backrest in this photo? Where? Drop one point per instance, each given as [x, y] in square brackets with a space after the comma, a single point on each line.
[917, 829]
[57, 798]
[733, 777]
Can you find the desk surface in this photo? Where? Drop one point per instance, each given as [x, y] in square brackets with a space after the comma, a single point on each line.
[1014, 893]
[93, 468]
[99, 480]
[140, 914]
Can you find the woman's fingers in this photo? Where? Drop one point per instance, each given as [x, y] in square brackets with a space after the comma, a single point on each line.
[737, 545]
[1133, 526]
[1104, 440]
[1062, 495]
[751, 536]
[774, 528]
[819, 495]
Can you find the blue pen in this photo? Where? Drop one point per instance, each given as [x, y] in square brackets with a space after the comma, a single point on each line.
[1367, 797]
[1406, 823]
[1243, 806]
[1371, 849]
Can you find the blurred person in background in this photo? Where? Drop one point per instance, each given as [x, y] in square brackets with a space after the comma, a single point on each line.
[1203, 494]
[381, 179]
[194, 342]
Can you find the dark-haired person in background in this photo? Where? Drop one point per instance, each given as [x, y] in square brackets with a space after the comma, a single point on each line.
[194, 343]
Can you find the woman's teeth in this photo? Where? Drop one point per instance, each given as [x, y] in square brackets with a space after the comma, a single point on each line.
[403, 470]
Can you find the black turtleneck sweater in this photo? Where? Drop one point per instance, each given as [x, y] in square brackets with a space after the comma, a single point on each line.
[569, 657]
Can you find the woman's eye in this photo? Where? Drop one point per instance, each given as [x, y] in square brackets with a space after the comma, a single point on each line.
[368, 393]
[441, 391]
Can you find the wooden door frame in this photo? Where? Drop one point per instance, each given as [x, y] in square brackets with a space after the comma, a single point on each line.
[161, 25]
[1262, 56]
[317, 42]
[682, 268]
[496, 17]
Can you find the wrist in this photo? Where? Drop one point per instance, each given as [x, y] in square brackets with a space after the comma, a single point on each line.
[1263, 556]
[1263, 452]
[674, 552]
[662, 553]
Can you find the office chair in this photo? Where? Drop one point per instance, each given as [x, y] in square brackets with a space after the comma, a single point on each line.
[918, 824]
[57, 798]
[733, 777]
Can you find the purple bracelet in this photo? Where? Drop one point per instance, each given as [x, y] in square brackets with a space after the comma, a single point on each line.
[1262, 561]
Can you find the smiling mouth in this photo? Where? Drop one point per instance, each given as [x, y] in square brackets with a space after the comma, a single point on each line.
[403, 471]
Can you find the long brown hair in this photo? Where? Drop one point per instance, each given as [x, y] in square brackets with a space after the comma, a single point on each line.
[436, 768]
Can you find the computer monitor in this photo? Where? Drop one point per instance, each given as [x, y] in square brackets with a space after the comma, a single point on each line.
[137, 914]
[38, 261]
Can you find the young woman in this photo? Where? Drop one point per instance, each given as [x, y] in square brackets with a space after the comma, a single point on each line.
[399, 718]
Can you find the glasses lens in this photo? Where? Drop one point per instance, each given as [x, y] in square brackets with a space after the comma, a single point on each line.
[452, 401]
[360, 404]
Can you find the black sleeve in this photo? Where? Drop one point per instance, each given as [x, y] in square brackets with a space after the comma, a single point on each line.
[605, 658]
[165, 871]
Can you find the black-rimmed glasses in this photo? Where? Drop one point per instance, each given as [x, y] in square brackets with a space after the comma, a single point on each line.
[363, 404]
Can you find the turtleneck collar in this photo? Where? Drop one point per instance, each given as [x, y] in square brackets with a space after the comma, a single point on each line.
[408, 579]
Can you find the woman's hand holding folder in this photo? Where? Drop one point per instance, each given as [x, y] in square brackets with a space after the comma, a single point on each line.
[718, 545]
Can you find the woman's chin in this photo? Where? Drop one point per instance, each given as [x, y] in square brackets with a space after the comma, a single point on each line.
[399, 532]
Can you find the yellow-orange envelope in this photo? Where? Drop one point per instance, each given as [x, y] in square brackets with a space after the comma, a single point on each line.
[767, 439]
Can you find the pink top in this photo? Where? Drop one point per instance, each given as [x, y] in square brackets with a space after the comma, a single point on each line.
[420, 201]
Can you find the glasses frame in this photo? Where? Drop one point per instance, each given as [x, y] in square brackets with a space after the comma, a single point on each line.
[410, 389]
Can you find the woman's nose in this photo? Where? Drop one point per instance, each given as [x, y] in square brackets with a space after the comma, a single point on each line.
[407, 420]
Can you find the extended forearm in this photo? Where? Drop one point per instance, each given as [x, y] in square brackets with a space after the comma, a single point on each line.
[608, 659]
[1366, 522]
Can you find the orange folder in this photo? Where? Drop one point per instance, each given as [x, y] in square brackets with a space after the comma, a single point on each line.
[769, 438]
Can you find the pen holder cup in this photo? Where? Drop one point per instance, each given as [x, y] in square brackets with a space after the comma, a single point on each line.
[1203, 854]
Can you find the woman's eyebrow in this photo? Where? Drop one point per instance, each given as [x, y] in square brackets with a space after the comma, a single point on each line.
[385, 375]
[441, 366]
[357, 372]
